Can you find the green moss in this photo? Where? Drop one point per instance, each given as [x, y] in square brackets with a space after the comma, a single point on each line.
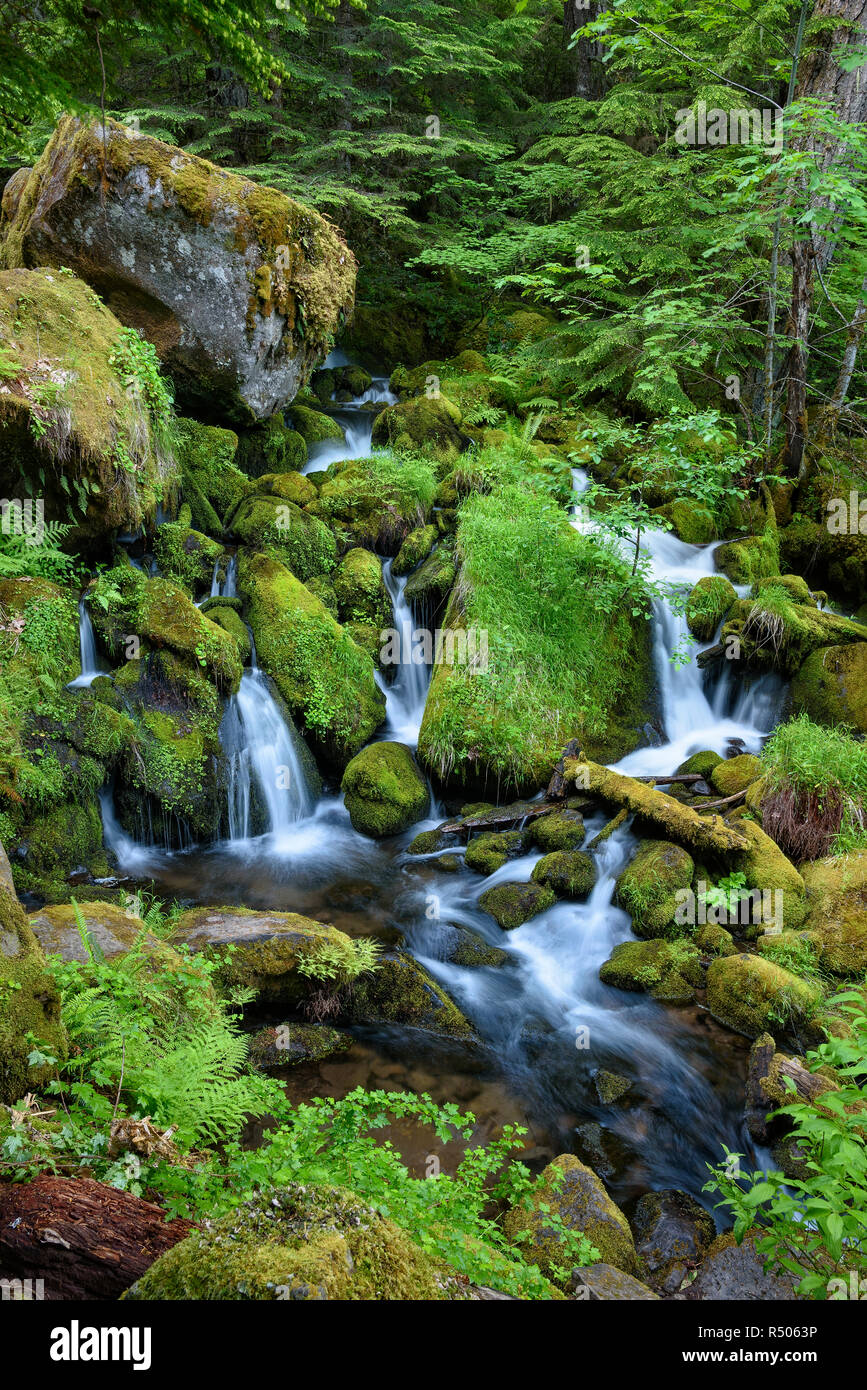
[691, 522]
[29, 1006]
[668, 970]
[558, 830]
[735, 774]
[753, 995]
[512, 904]
[778, 633]
[53, 845]
[428, 587]
[701, 763]
[766, 868]
[271, 448]
[574, 1192]
[417, 546]
[376, 502]
[488, 852]
[313, 426]
[298, 1243]
[360, 590]
[325, 679]
[837, 913]
[568, 873]
[289, 487]
[68, 414]
[295, 1044]
[715, 941]
[230, 622]
[300, 541]
[384, 790]
[469, 949]
[401, 991]
[186, 555]
[212, 484]
[708, 604]
[649, 886]
[831, 687]
[431, 427]
[753, 558]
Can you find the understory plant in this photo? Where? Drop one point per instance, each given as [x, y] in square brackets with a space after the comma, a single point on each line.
[815, 789]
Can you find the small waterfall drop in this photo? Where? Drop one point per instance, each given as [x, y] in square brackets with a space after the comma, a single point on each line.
[355, 419]
[405, 697]
[91, 664]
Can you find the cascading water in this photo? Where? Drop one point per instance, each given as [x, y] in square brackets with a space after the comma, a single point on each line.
[355, 419]
[91, 665]
[405, 697]
[263, 756]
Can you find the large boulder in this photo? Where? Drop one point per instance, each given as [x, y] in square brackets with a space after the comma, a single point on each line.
[649, 886]
[267, 521]
[432, 426]
[326, 680]
[754, 995]
[240, 288]
[29, 1005]
[831, 686]
[836, 924]
[72, 433]
[384, 790]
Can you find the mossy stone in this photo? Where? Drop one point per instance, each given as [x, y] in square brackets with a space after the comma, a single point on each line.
[512, 904]
[29, 1005]
[670, 971]
[384, 790]
[713, 940]
[831, 686]
[701, 763]
[488, 852]
[293, 1044]
[754, 995]
[734, 775]
[568, 873]
[559, 830]
[577, 1196]
[313, 426]
[300, 541]
[401, 991]
[708, 604]
[360, 590]
[417, 546]
[651, 886]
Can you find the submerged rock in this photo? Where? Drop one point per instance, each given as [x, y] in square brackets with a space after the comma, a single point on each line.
[384, 790]
[610, 1085]
[240, 288]
[291, 1044]
[732, 1271]
[672, 1232]
[400, 990]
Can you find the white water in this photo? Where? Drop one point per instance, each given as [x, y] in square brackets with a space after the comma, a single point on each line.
[91, 665]
[262, 755]
[405, 697]
[355, 418]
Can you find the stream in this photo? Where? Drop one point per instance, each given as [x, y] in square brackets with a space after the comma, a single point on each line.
[544, 1020]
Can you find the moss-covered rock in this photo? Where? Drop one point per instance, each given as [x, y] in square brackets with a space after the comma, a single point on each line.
[260, 950]
[384, 790]
[273, 279]
[713, 940]
[360, 591]
[230, 621]
[65, 412]
[775, 632]
[271, 448]
[568, 873]
[752, 558]
[432, 842]
[512, 904]
[52, 846]
[290, 486]
[668, 970]
[314, 426]
[292, 1044]
[467, 948]
[400, 990]
[708, 604]
[417, 546]
[831, 686]
[186, 555]
[376, 502]
[326, 680]
[690, 522]
[428, 587]
[702, 763]
[488, 852]
[429, 426]
[754, 995]
[212, 484]
[298, 540]
[649, 886]
[734, 775]
[767, 869]
[558, 830]
[29, 1005]
[572, 1192]
[836, 924]
[298, 1243]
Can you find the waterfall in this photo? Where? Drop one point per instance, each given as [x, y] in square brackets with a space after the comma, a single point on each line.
[91, 665]
[263, 758]
[405, 697]
[355, 419]
[130, 855]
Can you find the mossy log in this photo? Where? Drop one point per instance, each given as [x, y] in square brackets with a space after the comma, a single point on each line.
[677, 822]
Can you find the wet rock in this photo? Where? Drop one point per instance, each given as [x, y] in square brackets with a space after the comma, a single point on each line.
[488, 852]
[707, 605]
[670, 971]
[512, 904]
[753, 995]
[731, 1271]
[430, 841]
[601, 1283]
[831, 686]
[400, 990]
[568, 873]
[290, 1044]
[601, 1149]
[703, 763]
[650, 885]
[465, 947]
[735, 774]
[610, 1085]
[560, 830]
[672, 1232]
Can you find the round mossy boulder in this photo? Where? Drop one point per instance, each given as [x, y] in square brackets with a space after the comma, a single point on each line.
[702, 763]
[831, 686]
[291, 1044]
[431, 426]
[558, 830]
[708, 604]
[734, 775]
[384, 790]
[488, 852]
[649, 886]
[754, 995]
[572, 1192]
[512, 904]
[417, 546]
[399, 990]
[313, 426]
[298, 1243]
[713, 940]
[299, 540]
[568, 873]
[291, 487]
[467, 948]
[230, 622]
[360, 591]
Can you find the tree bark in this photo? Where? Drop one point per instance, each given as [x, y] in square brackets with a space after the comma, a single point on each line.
[85, 1240]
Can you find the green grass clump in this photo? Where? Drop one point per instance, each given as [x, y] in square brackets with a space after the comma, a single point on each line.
[825, 768]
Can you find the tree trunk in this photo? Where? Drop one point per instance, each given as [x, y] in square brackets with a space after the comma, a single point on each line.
[83, 1239]
[589, 72]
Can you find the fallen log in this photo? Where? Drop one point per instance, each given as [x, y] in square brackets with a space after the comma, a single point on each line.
[82, 1238]
[676, 821]
[607, 830]
[726, 801]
